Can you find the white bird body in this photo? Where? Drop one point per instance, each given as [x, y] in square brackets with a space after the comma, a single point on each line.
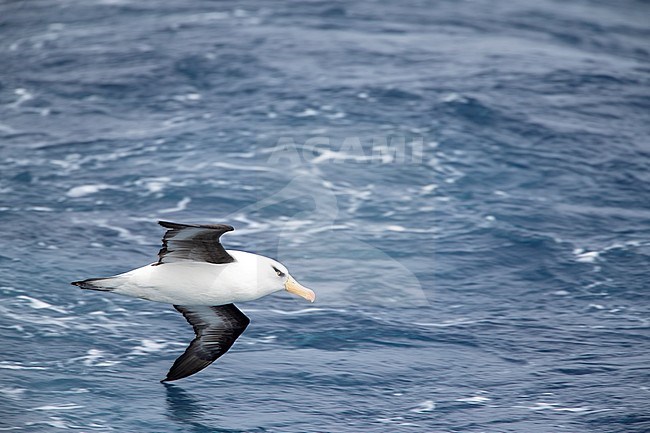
[202, 280]
[249, 277]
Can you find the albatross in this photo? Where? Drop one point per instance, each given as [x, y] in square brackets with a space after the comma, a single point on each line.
[202, 280]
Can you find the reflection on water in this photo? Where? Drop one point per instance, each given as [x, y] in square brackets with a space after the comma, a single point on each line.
[183, 408]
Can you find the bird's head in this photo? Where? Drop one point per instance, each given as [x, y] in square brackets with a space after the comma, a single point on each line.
[276, 275]
[253, 276]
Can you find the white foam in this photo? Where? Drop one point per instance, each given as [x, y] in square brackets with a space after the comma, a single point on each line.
[556, 407]
[428, 188]
[148, 346]
[12, 392]
[37, 304]
[8, 366]
[263, 340]
[572, 409]
[154, 184]
[390, 420]
[93, 355]
[44, 321]
[67, 406]
[308, 112]
[180, 206]
[448, 323]
[23, 96]
[538, 406]
[124, 233]
[454, 97]
[76, 391]
[623, 245]
[587, 256]
[249, 167]
[425, 406]
[53, 422]
[39, 209]
[477, 399]
[83, 190]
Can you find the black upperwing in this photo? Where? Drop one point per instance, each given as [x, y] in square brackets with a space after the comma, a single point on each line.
[216, 330]
[196, 243]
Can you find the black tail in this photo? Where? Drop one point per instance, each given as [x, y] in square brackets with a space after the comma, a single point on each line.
[88, 284]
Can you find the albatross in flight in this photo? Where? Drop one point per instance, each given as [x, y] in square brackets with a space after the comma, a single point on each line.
[202, 280]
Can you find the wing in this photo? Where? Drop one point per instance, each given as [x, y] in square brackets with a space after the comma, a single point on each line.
[195, 243]
[216, 330]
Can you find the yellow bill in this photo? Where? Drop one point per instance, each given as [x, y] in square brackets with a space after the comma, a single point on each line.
[293, 286]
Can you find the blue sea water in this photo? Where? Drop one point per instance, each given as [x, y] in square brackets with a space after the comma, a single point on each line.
[465, 184]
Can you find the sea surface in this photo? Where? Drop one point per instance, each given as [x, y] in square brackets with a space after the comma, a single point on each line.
[465, 185]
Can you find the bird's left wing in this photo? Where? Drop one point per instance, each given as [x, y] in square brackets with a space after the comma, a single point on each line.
[193, 242]
[216, 330]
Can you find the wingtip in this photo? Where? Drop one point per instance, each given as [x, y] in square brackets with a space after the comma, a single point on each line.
[170, 379]
[168, 224]
[167, 383]
[224, 227]
[170, 376]
[167, 378]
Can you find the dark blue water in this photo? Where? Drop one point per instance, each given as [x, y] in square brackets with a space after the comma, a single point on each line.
[465, 184]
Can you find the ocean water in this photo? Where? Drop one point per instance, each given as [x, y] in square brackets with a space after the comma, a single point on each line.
[465, 185]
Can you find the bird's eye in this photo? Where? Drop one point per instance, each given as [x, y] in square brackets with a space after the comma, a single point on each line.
[277, 271]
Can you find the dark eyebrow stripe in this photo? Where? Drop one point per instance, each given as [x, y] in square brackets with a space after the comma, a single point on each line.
[277, 270]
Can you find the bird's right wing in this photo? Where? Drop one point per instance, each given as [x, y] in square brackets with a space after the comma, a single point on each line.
[216, 330]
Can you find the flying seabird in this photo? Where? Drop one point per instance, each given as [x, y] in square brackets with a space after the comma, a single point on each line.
[202, 280]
